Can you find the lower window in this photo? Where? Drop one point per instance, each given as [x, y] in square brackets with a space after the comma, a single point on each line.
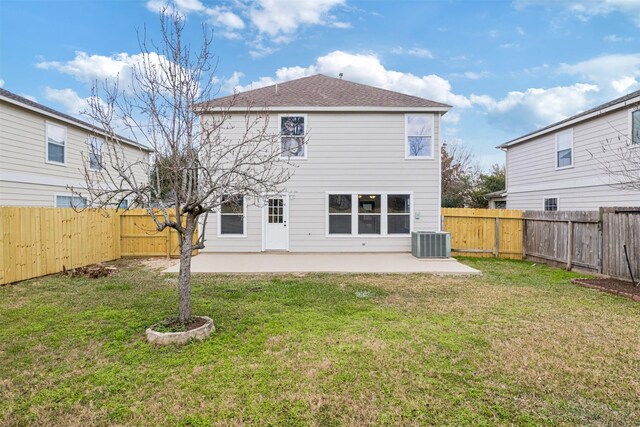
[232, 215]
[368, 214]
[75, 202]
[551, 204]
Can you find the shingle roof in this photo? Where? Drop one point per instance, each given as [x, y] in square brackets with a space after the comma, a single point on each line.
[622, 100]
[62, 116]
[323, 91]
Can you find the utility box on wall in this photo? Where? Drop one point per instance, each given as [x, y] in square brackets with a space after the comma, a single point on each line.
[430, 244]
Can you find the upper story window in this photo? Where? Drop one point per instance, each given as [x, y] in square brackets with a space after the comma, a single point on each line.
[292, 136]
[56, 143]
[564, 149]
[635, 127]
[419, 136]
[95, 153]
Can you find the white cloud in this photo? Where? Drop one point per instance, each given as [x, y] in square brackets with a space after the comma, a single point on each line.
[476, 75]
[414, 51]
[614, 38]
[276, 17]
[69, 99]
[221, 17]
[1, 83]
[509, 45]
[536, 107]
[520, 31]
[367, 69]
[586, 9]
[29, 97]
[614, 74]
[91, 68]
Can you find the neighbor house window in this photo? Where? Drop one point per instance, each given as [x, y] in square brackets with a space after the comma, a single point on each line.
[551, 204]
[124, 204]
[398, 214]
[564, 149]
[95, 153]
[56, 143]
[419, 136]
[340, 211]
[232, 216]
[76, 202]
[292, 137]
[635, 127]
[369, 213]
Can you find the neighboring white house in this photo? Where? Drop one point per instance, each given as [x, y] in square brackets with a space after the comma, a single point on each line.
[368, 176]
[563, 166]
[42, 151]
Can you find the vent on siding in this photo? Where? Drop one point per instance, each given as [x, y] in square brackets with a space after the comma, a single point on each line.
[429, 244]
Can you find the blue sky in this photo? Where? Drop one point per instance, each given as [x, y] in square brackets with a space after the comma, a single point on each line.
[507, 67]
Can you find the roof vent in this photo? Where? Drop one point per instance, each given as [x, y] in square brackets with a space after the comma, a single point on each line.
[340, 76]
[276, 88]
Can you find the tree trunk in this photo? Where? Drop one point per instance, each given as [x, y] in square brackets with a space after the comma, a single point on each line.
[184, 277]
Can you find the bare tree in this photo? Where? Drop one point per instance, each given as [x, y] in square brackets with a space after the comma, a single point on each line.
[457, 174]
[202, 167]
[619, 156]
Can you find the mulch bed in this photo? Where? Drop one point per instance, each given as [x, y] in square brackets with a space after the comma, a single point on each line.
[612, 286]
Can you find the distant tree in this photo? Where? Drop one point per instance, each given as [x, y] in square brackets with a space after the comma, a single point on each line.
[457, 175]
[485, 183]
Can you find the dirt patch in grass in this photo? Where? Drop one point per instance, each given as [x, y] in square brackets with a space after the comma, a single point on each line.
[612, 286]
[158, 263]
[94, 271]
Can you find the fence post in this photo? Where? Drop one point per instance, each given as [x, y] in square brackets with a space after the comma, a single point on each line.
[524, 237]
[569, 245]
[168, 248]
[497, 244]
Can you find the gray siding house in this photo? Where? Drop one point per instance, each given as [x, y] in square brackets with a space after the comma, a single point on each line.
[368, 175]
[42, 151]
[564, 166]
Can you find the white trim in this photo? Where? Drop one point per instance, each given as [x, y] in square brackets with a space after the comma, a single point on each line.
[304, 137]
[406, 138]
[46, 142]
[571, 122]
[56, 195]
[630, 127]
[355, 109]
[265, 216]
[71, 122]
[354, 215]
[545, 198]
[220, 235]
[573, 162]
[439, 207]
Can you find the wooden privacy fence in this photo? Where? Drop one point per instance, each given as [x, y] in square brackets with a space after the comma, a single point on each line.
[590, 240]
[484, 232]
[38, 241]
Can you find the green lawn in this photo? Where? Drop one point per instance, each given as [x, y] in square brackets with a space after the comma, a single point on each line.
[519, 345]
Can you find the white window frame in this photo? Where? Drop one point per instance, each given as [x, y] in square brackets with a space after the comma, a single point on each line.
[406, 137]
[244, 222]
[354, 215]
[89, 150]
[573, 152]
[55, 200]
[46, 143]
[304, 137]
[545, 198]
[631, 144]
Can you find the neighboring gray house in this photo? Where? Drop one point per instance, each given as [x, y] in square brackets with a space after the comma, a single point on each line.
[563, 166]
[42, 151]
[369, 175]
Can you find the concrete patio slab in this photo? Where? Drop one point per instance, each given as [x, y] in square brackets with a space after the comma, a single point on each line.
[323, 263]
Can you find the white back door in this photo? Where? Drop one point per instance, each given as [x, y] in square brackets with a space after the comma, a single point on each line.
[276, 217]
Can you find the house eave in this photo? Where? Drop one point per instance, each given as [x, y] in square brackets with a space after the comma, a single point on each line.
[354, 109]
[569, 123]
